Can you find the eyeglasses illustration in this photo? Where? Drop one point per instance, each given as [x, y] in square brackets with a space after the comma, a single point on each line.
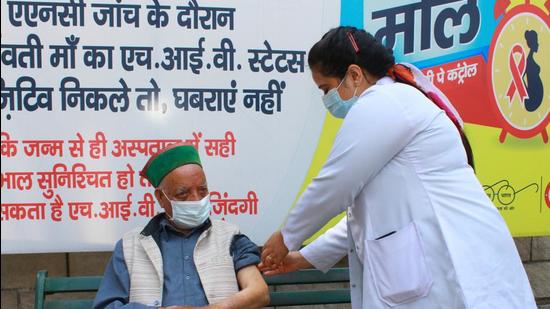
[505, 194]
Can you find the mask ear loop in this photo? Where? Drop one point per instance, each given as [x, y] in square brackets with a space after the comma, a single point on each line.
[341, 82]
[166, 196]
[165, 213]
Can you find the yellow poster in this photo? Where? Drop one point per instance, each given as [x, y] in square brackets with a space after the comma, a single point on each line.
[497, 75]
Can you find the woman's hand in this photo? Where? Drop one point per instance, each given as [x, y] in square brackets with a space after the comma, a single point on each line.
[292, 262]
[274, 250]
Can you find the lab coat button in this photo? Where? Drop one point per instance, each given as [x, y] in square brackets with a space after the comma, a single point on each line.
[353, 285]
[350, 250]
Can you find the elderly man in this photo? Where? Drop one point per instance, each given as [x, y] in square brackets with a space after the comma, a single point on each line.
[182, 259]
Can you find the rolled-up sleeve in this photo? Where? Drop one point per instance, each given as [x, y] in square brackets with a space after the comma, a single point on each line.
[244, 252]
[114, 290]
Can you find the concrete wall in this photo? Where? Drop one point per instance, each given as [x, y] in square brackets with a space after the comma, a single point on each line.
[19, 271]
[535, 254]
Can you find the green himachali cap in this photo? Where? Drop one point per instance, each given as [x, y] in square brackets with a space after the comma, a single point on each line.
[168, 159]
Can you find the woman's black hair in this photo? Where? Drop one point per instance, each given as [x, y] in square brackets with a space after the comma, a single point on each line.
[343, 46]
[335, 52]
[468, 148]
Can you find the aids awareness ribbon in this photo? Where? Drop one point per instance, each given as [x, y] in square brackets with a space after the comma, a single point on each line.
[517, 70]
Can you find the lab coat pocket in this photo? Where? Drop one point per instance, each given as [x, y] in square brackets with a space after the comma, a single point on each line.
[398, 266]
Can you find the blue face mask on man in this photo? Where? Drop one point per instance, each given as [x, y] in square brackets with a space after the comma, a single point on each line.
[335, 105]
[190, 214]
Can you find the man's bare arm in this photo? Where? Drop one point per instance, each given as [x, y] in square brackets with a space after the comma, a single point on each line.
[253, 292]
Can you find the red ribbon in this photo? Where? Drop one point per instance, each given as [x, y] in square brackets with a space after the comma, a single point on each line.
[517, 70]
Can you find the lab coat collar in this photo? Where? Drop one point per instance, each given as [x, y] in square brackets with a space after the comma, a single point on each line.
[386, 80]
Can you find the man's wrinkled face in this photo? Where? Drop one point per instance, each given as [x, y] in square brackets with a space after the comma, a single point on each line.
[185, 183]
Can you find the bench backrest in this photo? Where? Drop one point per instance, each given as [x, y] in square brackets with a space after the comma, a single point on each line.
[51, 285]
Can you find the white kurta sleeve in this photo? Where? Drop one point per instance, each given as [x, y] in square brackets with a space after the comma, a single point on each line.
[374, 131]
[329, 248]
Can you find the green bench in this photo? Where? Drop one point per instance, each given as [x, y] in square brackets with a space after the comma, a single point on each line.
[51, 285]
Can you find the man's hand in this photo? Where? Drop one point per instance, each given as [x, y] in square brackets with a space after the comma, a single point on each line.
[292, 262]
[274, 250]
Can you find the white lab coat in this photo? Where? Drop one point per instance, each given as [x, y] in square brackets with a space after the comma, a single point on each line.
[398, 165]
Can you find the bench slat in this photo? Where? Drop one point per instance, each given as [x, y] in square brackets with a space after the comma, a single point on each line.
[315, 297]
[281, 298]
[308, 276]
[69, 304]
[72, 284]
[50, 285]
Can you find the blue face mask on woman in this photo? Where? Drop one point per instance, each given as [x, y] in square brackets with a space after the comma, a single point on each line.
[335, 105]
